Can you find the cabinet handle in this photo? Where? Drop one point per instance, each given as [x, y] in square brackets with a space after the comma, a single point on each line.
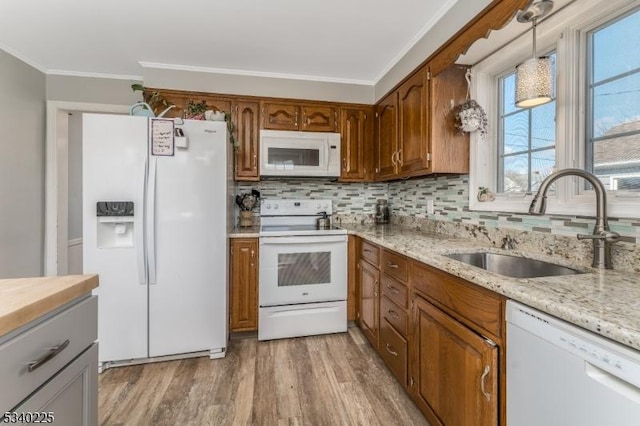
[400, 157]
[255, 160]
[393, 314]
[393, 158]
[296, 123]
[367, 251]
[375, 288]
[485, 373]
[344, 164]
[392, 289]
[391, 351]
[253, 254]
[392, 265]
[53, 352]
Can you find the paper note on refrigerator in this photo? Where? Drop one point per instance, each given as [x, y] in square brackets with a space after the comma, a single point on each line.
[162, 142]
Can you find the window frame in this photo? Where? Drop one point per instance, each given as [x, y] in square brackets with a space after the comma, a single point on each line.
[566, 33]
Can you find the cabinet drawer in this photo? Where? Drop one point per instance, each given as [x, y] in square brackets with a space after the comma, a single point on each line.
[370, 252]
[77, 327]
[395, 315]
[394, 290]
[395, 265]
[393, 349]
[473, 305]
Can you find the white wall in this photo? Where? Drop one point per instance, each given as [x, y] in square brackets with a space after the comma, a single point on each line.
[91, 90]
[457, 17]
[257, 86]
[22, 152]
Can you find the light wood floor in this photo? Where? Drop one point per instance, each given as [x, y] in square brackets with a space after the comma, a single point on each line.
[321, 380]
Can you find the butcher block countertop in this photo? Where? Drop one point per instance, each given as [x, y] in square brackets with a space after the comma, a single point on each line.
[22, 300]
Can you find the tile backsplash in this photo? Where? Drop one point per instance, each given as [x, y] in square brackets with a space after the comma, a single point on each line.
[352, 202]
[355, 202]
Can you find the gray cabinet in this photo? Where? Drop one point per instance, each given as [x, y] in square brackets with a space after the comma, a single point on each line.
[51, 366]
[72, 395]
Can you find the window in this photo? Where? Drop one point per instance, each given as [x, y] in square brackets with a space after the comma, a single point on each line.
[526, 140]
[613, 118]
[593, 124]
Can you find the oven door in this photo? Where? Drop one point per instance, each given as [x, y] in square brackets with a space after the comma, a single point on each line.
[302, 269]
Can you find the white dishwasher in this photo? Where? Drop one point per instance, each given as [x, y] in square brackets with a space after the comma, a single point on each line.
[560, 374]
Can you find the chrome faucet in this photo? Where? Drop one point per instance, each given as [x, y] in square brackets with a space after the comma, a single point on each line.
[602, 237]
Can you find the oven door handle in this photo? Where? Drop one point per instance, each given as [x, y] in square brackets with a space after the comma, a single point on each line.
[302, 240]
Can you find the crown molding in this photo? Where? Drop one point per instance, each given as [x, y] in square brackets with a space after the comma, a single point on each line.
[227, 71]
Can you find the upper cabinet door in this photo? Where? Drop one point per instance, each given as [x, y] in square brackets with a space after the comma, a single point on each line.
[319, 118]
[355, 134]
[413, 98]
[386, 137]
[280, 116]
[246, 134]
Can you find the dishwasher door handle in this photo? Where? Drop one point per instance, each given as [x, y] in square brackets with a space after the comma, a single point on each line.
[612, 382]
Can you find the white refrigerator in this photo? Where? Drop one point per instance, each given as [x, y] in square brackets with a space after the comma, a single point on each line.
[155, 230]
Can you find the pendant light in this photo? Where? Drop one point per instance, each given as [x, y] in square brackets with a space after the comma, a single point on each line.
[534, 77]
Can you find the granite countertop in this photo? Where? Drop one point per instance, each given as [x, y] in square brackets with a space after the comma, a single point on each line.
[249, 232]
[26, 299]
[603, 301]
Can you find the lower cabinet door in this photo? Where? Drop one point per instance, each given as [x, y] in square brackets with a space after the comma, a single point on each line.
[455, 370]
[70, 398]
[369, 302]
[393, 349]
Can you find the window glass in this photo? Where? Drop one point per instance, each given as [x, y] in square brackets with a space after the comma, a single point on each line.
[527, 140]
[613, 121]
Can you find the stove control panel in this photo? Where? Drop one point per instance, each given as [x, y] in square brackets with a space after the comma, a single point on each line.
[271, 207]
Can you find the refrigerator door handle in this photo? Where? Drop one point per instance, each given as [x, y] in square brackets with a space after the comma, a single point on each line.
[139, 227]
[151, 221]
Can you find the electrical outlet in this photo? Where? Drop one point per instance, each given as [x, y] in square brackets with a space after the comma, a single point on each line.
[430, 209]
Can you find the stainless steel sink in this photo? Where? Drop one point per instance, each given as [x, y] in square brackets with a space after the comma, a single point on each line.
[513, 266]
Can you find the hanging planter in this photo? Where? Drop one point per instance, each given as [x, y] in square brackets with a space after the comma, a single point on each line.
[470, 116]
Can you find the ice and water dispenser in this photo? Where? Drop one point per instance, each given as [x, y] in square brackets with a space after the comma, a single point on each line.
[115, 224]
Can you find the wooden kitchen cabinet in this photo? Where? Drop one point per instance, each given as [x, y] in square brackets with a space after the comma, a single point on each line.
[413, 141]
[317, 118]
[386, 141]
[369, 301]
[303, 117]
[353, 278]
[243, 304]
[456, 349]
[356, 134]
[276, 116]
[415, 127]
[448, 147]
[246, 120]
[455, 373]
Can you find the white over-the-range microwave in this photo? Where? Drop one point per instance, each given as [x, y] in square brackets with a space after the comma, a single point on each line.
[286, 153]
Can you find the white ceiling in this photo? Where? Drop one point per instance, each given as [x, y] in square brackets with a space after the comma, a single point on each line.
[355, 41]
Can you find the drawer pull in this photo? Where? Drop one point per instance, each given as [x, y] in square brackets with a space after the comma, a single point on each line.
[367, 251]
[392, 289]
[485, 373]
[391, 351]
[392, 265]
[393, 314]
[33, 365]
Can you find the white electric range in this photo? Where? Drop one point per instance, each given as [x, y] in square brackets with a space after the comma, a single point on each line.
[303, 271]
